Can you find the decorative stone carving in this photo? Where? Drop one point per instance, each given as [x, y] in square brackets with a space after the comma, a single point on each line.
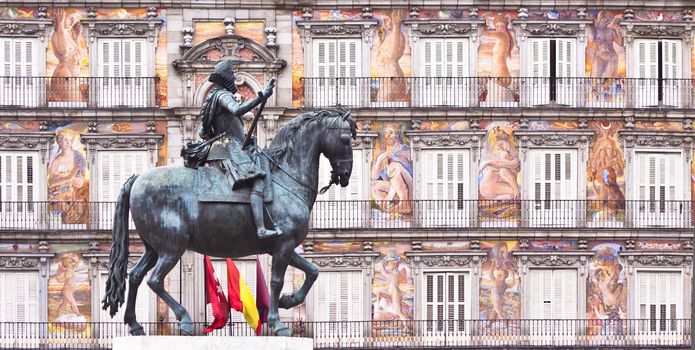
[416, 245]
[554, 28]
[270, 125]
[150, 142]
[28, 141]
[582, 244]
[41, 12]
[687, 15]
[415, 124]
[151, 12]
[270, 36]
[19, 262]
[631, 29]
[522, 12]
[628, 14]
[524, 243]
[581, 13]
[475, 244]
[122, 28]
[367, 12]
[92, 12]
[364, 140]
[444, 28]
[187, 37]
[555, 139]
[583, 124]
[414, 12]
[189, 125]
[629, 244]
[308, 246]
[473, 12]
[40, 29]
[445, 140]
[363, 260]
[659, 260]
[687, 124]
[367, 246]
[444, 260]
[229, 25]
[550, 259]
[307, 13]
[655, 139]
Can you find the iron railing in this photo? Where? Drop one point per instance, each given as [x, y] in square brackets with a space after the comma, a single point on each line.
[388, 92]
[415, 214]
[526, 333]
[79, 92]
[453, 214]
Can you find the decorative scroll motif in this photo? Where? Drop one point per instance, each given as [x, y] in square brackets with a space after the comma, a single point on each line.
[362, 261]
[440, 28]
[102, 263]
[363, 28]
[31, 141]
[150, 142]
[553, 260]
[661, 260]
[122, 28]
[656, 29]
[364, 140]
[19, 262]
[38, 29]
[551, 29]
[440, 139]
[554, 140]
[446, 260]
[655, 140]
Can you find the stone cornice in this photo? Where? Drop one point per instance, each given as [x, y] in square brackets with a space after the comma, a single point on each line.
[639, 138]
[26, 261]
[40, 29]
[120, 28]
[364, 139]
[447, 259]
[39, 141]
[658, 258]
[653, 29]
[444, 28]
[555, 138]
[551, 28]
[343, 260]
[336, 28]
[553, 258]
[116, 141]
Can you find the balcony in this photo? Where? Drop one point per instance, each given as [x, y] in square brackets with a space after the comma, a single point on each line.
[78, 92]
[489, 92]
[415, 214]
[434, 334]
[531, 214]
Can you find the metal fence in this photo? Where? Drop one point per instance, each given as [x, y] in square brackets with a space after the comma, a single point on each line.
[391, 92]
[79, 92]
[415, 214]
[381, 334]
[501, 214]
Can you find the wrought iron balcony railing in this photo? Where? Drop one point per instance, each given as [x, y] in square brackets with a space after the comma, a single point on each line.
[426, 92]
[79, 92]
[414, 214]
[435, 334]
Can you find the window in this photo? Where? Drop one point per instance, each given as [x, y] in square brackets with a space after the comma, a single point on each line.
[119, 61]
[554, 186]
[335, 60]
[658, 68]
[338, 296]
[446, 296]
[19, 296]
[247, 270]
[553, 65]
[658, 179]
[341, 206]
[17, 176]
[552, 294]
[19, 67]
[444, 187]
[445, 65]
[115, 167]
[658, 300]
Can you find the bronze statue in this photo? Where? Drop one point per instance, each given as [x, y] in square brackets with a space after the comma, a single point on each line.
[180, 208]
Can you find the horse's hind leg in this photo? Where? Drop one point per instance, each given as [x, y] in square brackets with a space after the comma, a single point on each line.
[156, 282]
[310, 271]
[135, 277]
[281, 259]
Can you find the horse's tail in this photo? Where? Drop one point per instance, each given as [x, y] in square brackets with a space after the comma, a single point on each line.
[118, 259]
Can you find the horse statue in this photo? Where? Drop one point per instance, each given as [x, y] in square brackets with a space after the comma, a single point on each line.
[170, 218]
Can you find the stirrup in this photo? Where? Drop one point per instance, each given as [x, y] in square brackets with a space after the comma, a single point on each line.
[265, 233]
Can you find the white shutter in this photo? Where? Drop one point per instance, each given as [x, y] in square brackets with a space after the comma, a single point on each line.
[445, 57]
[19, 296]
[144, 301]
[18, 57]
[348, 57]
[658, 300]
[658, 177]
[338, 296]
[647, 58]
[17, 178]
[7, 57]
[445, 298]
[352, 192]
[115, 167]
[671, 59]
[566, 57]
[551, 294]
[110, 59]
[554, 174]
[540, 57]
[445, 174]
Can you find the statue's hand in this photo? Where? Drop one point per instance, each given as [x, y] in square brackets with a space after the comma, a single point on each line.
[268, 89]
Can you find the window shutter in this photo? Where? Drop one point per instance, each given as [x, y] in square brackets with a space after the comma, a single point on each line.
[671, 59]
[647, 58]
[338, 296]
[17, 174]
[444, 297]
[658, 300]
[6, 55]
[336, 193]
[554, 174]
[115, 168]
[565, 54]
[540, 57]
[445, 174]
[428, 62]
[552, 294]
[565, 298]
[19, 298]
[459, 62]
[658, 177]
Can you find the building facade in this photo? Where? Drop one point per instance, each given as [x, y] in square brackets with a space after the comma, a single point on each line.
[520, 174]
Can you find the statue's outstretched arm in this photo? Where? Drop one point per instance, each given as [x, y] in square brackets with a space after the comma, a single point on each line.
[237, 108]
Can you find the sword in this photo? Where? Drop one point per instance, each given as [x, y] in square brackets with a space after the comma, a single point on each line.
[252, 128]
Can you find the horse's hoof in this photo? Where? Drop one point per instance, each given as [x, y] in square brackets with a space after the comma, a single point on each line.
[186, 328]
[283, 332]
[137, 330]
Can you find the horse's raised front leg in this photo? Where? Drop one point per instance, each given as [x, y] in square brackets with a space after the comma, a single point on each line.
[310, 271]
[281, 259]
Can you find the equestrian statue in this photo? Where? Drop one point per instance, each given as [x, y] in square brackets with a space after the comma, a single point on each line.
[230, 200]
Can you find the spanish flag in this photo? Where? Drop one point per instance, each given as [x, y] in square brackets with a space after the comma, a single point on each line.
[240, 297]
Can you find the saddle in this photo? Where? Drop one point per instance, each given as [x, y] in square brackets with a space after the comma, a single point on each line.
[212, 184]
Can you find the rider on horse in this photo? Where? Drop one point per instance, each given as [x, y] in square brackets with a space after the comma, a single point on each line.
[223, 135]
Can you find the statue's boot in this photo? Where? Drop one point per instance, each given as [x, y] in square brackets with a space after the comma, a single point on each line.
[256, 200]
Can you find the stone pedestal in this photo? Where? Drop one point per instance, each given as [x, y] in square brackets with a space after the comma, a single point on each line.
[212, 343]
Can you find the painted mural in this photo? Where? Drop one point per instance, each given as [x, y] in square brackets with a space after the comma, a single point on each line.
[204, 30]
[67, 54]
[500, 284]
[552, 245]
[605, 174]
[498, 59]
[391, 57]
[392, 289]
[391, 172]
[499, 175]
[606, 290]
[69, 293]
[446, 246]
[68, 176]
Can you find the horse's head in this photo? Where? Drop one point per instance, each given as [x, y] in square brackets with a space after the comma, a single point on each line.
[337, 146]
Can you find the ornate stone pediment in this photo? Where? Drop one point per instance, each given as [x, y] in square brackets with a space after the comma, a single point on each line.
[553, 138]
[24, 261]
[446, 259]
[655, 139]
[683, 259]
[552, 28]
[664, 30]
[27, 141]
[364, 140]
[554, 260]
[97, 28]
[348, 28]
[111, 141]
[444, 28]
[354, 260]
[458, 139]
[40, 29]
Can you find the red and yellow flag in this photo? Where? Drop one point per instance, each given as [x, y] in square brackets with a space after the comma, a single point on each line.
[215, 296]
[240, 297]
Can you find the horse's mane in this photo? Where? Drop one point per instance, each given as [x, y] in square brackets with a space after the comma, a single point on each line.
[283, 143]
